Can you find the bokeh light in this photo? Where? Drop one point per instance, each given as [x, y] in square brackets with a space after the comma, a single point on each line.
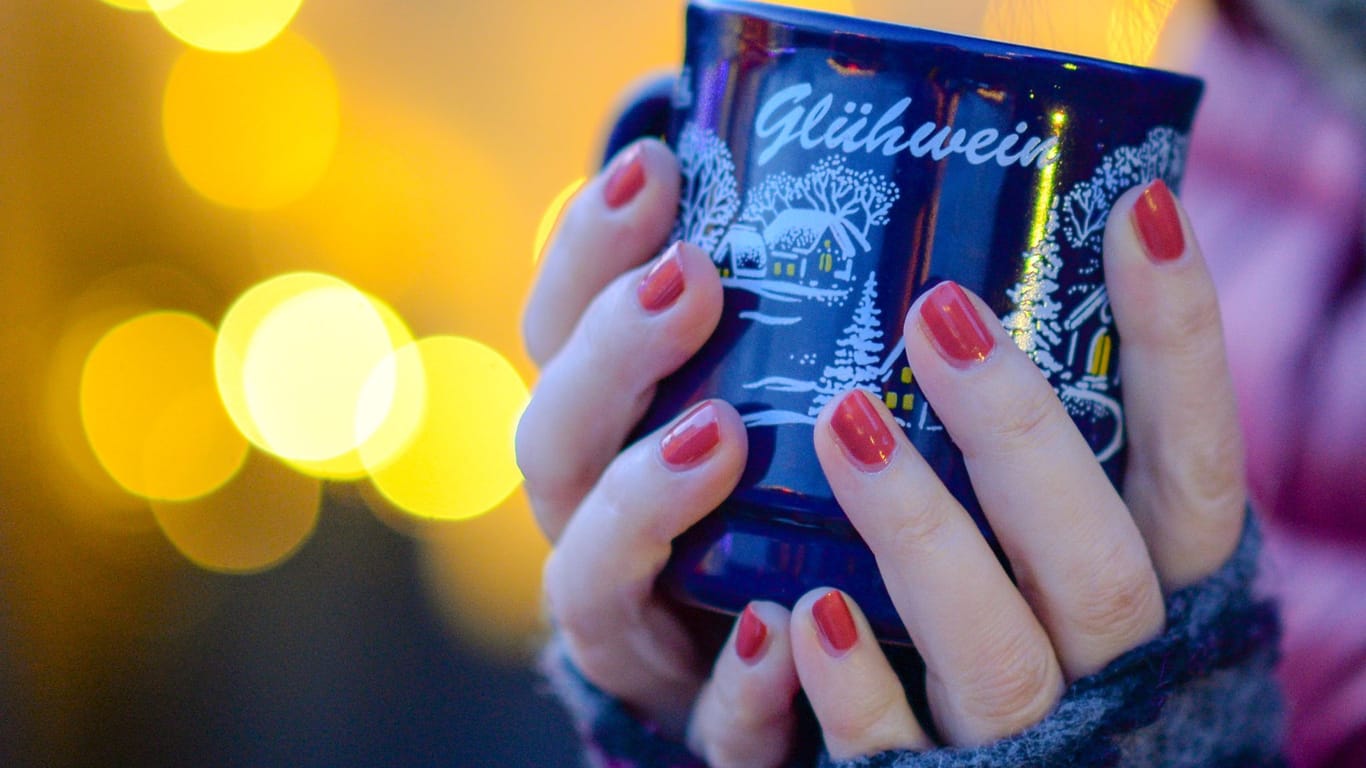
[460, 462]
[257, 520]
[551, 217]
[237, 329]
[1120, 30]
[492, 601]
[143, 5]
[230, 26]
[256, 130]
[305, 366]
[151, 411]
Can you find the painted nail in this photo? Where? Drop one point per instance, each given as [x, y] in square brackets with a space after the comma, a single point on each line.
[663, 283]
[1157, 223]
[692, 438]
[866, 441]
[750, 636]
[834, 623]
[625, 178]
[951, 322]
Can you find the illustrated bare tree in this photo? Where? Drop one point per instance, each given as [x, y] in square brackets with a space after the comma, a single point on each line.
[858, 200]
[1087, 206]
[778, 192]
[1036, 322]
[709, 197]
[858, 354]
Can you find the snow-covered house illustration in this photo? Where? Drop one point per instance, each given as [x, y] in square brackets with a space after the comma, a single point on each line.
[742, 253]
[808, 241]
[897, 381]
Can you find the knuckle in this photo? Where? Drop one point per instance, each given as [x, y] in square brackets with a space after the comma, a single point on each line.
[1015, 683]
[1122, 604]
[1208, 476]
[921, 527]
[862, 715]
[1026, 419]
[1189, 326]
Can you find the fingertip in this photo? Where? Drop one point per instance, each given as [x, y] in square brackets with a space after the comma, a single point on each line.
[856, 696]
[745, 715]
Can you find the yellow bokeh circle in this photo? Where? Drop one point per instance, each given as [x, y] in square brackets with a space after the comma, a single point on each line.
[254, 522]
[151, 411]
[256, 130]
[235, 333]
[306, 366]
[229, 26]
[143, 5]
[460, 462]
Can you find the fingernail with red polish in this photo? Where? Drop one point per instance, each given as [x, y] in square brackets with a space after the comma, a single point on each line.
[663, 283]
[625, 178]
[835, 623]
[692, 438]
[750, 636]
[863, 435]
[949, 319]
[1157, 223]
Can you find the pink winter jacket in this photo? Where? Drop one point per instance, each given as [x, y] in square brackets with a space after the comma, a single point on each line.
[1277, 195]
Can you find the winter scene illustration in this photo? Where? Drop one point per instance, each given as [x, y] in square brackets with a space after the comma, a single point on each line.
[797, 239]
[799, 242]
[1069, 334]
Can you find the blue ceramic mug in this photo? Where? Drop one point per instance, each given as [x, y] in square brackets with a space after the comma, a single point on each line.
[835, 168]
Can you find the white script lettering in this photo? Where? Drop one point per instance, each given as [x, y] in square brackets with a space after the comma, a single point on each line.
[785, 119]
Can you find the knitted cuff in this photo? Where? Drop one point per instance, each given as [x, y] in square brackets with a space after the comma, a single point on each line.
[613, 736]
[1202, 694]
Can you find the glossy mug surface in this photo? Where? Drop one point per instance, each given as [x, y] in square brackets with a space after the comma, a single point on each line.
[835, 168]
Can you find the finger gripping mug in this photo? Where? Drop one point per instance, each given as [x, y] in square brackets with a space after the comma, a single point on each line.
[835, 168]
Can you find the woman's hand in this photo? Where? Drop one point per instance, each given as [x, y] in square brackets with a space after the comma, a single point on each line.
[606, 322]
[1090, 567]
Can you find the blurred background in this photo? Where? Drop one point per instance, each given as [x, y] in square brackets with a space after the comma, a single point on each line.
[261, 269]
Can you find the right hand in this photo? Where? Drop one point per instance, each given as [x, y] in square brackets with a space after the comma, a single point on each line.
[605, 327]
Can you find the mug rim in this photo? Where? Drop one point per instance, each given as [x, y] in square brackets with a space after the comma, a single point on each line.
[825, 22]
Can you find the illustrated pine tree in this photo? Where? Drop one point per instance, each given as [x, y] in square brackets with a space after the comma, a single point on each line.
[1036, 322]
[709, 196]
[858, 354]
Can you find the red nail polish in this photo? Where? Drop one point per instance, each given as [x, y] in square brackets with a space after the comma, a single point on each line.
[750, 636]
[663, 283]
[834, 622]
[1157, 223]
[625, 178]
[692, 438]
[861, 432]
[951, 321]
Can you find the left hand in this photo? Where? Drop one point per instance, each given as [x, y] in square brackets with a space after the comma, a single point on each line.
[1091, 566]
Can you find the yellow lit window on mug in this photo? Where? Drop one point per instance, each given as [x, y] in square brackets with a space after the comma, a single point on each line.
[1100, 356]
